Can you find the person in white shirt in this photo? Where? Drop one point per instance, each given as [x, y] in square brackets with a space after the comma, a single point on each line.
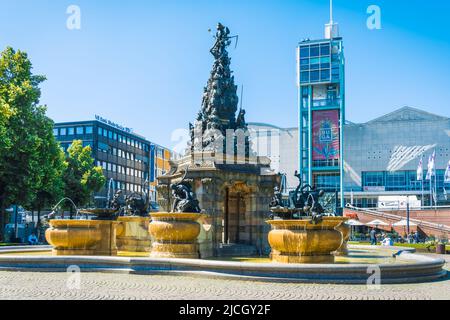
[387, 241]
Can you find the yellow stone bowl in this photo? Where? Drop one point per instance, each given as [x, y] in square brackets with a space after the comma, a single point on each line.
[175, 227]
[73, 234]
[297, 238]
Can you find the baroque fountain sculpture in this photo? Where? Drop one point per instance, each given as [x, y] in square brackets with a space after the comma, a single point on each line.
[301, 231]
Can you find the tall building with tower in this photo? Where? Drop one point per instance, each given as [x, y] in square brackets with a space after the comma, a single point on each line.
[321, 104]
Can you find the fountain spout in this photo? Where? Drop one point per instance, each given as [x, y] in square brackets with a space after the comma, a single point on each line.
[61, 201]
[110, 195]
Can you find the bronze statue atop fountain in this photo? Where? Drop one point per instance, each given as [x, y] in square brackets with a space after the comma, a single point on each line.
[302, 202]
[185, 200]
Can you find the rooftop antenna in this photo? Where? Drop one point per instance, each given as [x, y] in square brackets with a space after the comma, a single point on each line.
[331, 29]
[331, 11]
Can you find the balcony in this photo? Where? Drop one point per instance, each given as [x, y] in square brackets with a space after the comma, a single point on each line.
[326, 103]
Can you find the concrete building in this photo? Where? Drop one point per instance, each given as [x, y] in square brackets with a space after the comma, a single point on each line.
[381, 155]
[127, 158]
[280, 145]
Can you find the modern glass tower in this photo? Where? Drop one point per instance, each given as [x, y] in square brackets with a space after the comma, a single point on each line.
[321, 103]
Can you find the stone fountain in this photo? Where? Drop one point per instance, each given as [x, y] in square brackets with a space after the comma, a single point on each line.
[232, 183]
[122, 226]
[301, 231]
[93, 235]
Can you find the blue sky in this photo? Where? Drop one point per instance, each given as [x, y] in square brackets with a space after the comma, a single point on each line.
[144, 63]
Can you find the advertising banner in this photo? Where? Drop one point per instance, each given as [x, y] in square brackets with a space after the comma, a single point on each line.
[325, 135]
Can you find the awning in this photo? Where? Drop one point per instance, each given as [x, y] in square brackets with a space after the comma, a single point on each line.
[377, 223]
[354, 223]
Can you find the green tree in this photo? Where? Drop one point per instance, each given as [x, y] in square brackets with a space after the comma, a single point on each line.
[82, 178]
[49, 188]
[30, 157]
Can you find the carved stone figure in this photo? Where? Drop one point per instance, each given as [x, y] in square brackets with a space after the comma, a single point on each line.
[185, 200]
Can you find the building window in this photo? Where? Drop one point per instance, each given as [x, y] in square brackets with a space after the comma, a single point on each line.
[314, 52]
[328, 182]
[100, 131]
[79, 130]
[325, 49]
[395, 181]
[314, 76]
[304, 52]
[325, 75]
[70, 131]
[373, 179]
[62, 131]
[304, 76]
[55, 132]
[89, 130]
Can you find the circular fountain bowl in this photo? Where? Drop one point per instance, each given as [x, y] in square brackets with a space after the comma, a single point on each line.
[82, 237]
[72, 235]
[301, 241]
[175, 235]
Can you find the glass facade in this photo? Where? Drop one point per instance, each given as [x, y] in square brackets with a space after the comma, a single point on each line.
[320, 62]
[329, 182]
[400, 181]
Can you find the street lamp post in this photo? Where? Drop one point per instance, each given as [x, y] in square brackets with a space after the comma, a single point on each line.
[407, 215]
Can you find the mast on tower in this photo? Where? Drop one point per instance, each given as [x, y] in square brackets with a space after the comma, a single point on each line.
[331, 28]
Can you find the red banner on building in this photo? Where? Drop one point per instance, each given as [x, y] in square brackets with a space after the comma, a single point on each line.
[325, 138]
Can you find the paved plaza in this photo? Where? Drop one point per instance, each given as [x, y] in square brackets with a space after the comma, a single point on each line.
[33, 285]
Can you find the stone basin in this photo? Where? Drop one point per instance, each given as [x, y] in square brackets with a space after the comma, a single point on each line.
[133, 234]
[174, 235]
[301, 241]
[82, 237]
[345, 229]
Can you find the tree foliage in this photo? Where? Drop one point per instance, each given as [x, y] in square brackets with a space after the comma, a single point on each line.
[31, 161]
[82, 178]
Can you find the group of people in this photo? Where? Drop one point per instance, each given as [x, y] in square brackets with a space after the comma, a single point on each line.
[387, 240]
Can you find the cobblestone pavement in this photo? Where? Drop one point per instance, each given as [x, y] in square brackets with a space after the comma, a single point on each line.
[19, 285]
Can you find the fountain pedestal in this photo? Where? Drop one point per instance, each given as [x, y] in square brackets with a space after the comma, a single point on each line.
[133, 236]
[301, 241]
[174, 235]
[345, 230]
[82, 237]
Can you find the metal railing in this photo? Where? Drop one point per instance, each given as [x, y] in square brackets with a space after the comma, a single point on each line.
[420, 223]
[326, 102]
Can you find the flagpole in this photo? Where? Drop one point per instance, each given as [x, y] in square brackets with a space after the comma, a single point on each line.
[423, 199]
[435, 190]
[431, 191]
